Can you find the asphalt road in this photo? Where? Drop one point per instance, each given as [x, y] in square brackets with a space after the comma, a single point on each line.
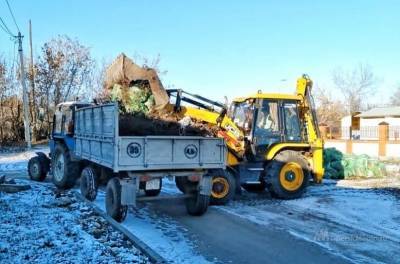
[225, 238]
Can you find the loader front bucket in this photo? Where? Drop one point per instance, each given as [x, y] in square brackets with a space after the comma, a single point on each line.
[125, 72]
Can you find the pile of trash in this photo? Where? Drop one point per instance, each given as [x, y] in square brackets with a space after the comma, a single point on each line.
[144, 103]
[343, 166]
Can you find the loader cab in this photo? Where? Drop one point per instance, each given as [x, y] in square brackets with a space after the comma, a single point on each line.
[266, 121]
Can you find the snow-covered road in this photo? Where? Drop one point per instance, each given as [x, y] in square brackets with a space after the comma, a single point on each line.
[334, 222]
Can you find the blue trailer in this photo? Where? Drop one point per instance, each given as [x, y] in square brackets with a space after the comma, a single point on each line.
[85, 143]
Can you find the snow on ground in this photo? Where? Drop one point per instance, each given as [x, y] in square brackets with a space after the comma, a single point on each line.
[362, 225]
[162, 233]
[37, 227]
[357, 219]
[11, 161]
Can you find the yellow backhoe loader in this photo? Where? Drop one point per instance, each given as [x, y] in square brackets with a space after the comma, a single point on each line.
[273, 140]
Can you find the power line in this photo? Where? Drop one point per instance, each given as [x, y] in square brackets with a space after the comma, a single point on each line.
[12, 14]
[5, 28]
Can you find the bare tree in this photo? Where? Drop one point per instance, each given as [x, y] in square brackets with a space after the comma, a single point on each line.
[395, 98]
[356, 85]
[11, 122]
[62, 72]
[329, 110]
[153, 63]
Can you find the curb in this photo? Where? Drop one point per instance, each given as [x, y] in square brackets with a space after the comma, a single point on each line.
[148, 251]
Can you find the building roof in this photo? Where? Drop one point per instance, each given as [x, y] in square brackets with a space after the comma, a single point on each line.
[393, 111]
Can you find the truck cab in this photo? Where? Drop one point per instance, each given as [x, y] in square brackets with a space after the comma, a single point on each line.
[63, 124]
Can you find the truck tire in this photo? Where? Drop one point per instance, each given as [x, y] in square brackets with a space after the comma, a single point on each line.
[89, 183]
[114, 207]
[223, 187]
[198, 204]
[180, 183]
[151, 193]
[37, 169]
[287, 176]
[65, 171]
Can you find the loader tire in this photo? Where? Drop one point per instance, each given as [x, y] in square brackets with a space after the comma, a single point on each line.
[89, 183]
[223, 187]
[65, 171]
[114, 207]
[287, 175]
[37, 169]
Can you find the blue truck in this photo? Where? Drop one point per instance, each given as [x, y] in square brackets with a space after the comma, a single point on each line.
[85, 144]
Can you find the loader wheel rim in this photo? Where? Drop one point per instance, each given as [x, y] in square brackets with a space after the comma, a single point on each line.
[220, 187]
[291, 176]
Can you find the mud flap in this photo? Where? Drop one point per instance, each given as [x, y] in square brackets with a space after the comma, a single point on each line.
[129, 188]
[205, 185]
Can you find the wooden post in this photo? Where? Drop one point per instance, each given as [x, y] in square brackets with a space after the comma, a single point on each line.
[349, 146]
[383, 130]
[32, 82]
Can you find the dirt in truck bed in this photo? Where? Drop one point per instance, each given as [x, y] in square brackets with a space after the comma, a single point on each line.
[162, 125]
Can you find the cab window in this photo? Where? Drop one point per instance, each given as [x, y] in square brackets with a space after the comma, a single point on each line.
[292, 124]
[266, 130]
[242, 115]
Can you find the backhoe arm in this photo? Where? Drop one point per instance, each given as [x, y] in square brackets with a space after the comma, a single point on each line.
[304, 86]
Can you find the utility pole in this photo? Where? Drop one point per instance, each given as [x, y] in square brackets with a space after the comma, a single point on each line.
[32, 79]
[24, 93]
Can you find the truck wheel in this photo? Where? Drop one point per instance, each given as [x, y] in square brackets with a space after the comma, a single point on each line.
[65, 171]
[287, 175]
[89, 183]
[114, 207]
[37, 169]
[223, 187]
[153, 192]
[180, 183]
[198, 204]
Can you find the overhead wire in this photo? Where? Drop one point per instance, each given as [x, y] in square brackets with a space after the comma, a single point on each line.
[3, 26]
[12, 15]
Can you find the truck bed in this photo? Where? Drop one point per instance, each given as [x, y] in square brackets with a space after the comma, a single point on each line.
[97, 140]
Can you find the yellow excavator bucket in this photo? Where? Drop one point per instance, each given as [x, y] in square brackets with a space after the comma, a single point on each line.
[125, 72]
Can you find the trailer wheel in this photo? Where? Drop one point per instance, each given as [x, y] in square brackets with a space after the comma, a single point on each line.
[287, 175]
[65, 171]
[198, 204]
[223, 187]
[153, 192]
[114, 207]
[37, 169]
[180, 183]
[89, 183]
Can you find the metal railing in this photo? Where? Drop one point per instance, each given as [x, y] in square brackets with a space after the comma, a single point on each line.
[364, 133]
[394, 132]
